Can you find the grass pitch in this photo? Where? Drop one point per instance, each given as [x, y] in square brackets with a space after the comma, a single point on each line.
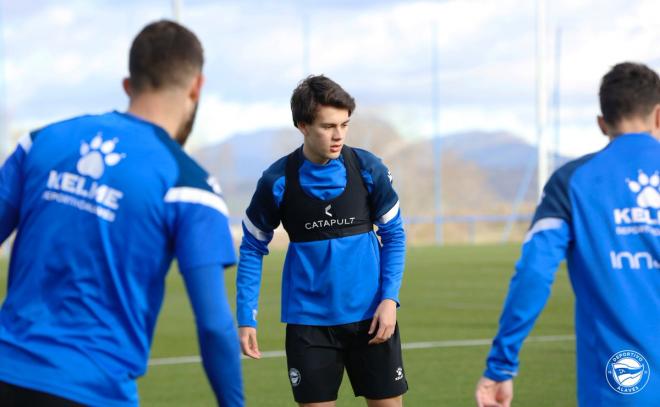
[449, 293]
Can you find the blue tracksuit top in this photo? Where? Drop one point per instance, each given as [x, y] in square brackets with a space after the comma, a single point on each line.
[602, 213]
[324, 282]
[101, 205]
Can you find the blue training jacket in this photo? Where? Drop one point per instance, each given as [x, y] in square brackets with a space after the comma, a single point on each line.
[324, 282]
[101, 205]
[602, 213]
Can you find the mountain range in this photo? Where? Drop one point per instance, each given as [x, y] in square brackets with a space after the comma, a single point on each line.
[482, 172]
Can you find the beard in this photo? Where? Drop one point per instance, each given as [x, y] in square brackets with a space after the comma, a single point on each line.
[186, 127]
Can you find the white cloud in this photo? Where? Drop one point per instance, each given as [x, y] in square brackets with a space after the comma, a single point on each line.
[577, 140]
[67, 59]
[218, 119]
[61, 16]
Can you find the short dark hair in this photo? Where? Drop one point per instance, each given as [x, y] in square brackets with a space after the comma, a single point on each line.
[628, 90]
[164, 54]
[315, 91]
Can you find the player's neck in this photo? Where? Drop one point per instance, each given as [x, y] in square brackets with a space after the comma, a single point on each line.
[628, 126]
[159, 109]
[313, 157]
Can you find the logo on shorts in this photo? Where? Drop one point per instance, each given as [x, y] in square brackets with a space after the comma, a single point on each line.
[627, 372]
[399, 374]
[327, 210]
[294, 376]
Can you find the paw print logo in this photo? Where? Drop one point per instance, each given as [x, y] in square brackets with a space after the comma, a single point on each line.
[96, 155]
[647, 189]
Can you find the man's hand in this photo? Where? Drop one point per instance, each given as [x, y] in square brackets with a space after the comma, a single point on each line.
[385, 320]
[490, 393]
[249, 345]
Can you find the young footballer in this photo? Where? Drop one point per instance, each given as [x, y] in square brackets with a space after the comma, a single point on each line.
[340, 284]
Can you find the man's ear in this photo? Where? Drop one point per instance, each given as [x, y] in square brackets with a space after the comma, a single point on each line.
[126, 84]
[196, 87]
[656, 117]
[602, 124]
[303, 128]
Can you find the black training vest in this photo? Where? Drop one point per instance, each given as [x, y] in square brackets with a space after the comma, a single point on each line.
[307, 219]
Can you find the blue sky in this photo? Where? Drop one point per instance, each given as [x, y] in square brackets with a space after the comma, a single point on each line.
[61, 59]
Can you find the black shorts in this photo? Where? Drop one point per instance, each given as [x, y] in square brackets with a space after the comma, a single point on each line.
[15, 396]
[316, 357]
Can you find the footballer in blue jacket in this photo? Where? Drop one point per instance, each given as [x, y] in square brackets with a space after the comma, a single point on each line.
[101, 204]
[340, 285]
[601, 213]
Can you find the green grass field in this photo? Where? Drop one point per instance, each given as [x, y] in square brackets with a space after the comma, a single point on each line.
[450, 293]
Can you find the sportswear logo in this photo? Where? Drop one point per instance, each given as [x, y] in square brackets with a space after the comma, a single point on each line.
[324, 223]
[627, 372]
[81, 192]
[635, 261]
[96, 155]
[214, 184]
[645, 217]
[294, 376]
[399, 374]
[327, 210]
[647, 189]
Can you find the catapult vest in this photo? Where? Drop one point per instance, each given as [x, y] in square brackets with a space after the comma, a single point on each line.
[307, 219]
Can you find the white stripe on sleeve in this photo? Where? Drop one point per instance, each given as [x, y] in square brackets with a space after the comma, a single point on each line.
[543, 224]
[391, 214]
[197, 196]
[25, 142]
[255, 231]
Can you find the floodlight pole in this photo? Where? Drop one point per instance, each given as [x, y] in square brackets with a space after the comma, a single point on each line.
[176, 10]
[437, 158]
[541, 96]
[305, 44]
[556, 97]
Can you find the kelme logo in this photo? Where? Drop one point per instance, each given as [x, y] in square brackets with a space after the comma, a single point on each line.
[647, 189]
[96, 155]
